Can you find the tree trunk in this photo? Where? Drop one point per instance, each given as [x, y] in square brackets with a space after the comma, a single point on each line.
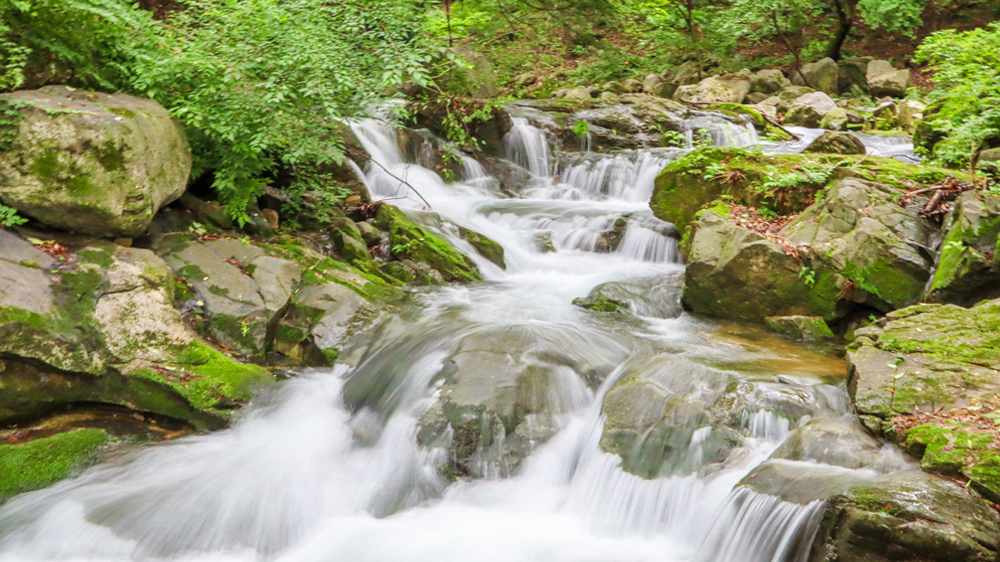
[845, 20]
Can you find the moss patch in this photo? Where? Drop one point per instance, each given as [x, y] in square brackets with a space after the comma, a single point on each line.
[43, 462]
[410, 241]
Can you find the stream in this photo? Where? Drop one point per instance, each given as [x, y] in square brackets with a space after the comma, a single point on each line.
[327, 467]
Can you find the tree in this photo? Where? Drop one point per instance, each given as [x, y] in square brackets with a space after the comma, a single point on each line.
[892, 15]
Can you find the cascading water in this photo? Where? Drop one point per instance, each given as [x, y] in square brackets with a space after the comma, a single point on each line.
[328, 467]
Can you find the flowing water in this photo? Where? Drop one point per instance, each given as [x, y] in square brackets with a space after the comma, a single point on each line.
[327, 466]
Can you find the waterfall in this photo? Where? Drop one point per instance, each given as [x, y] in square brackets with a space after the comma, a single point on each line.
[338, 464]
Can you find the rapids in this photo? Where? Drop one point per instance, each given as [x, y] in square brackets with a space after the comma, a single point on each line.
[313, 473]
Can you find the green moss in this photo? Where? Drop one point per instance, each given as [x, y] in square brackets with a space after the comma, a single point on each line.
[331, 355]
[410, 241]
[111, 157]
[43, 462]
[219, 381]
[785, 183]
[96, 257]
[192, 272]
[220, 291]
[601, 303]
[290, 334]
[122, 112]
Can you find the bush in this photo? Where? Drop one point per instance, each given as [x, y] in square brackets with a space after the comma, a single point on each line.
[964, 117]
[261, 84]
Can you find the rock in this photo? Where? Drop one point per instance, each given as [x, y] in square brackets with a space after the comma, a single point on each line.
[822, 75]
[809, 109]
[317, 322]
[941, 359]
[835, 142]
[884, 80]
[486, 247]
[42, 462]
[271, 216]
[853, 74]
[735, 273]
[910, 112]
[789, 94]
[754, 98]
[207, 212]
[543, 242]
[854, 118]
[768, 106]
[836, 120]
[409, 241]
[810, 328]
[656, 297]
[967, 268]
[101, 329]
[651, 82]
[859, 232]
[885, 111]
[835, 441]
[728, 88]
[93, 163]
[907, 516]
[631, 86]
[580, 93]
[768, 81]
[526, 79]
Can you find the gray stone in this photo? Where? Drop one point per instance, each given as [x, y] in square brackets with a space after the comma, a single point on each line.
[884, 80]
[728, 88]
[836, 120]
[768, 81]
[809, 109]
[836, 142]
[910, 113]
[93, 163]
[821, 75]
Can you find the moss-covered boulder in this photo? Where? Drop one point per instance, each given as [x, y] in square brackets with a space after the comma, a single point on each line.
[733, 272]
[835, 142]
[927, 379]
[811, 328]
[785, 183]
[484, 246]
[42, 462]
[410, 241]
[809, 109]
[100, 327]
[92, 163]
[822, 75]
[855, 246]
[907, 516]
[967, 269]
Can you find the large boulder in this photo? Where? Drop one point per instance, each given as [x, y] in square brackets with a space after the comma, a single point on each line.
[728, 88]
[821, 75]
[835, 142]
[968, 266]
[854, 246]
[926, 378]
[92, 163]
[768, 81]
[885, 80]
[101, 329]
[853, 74]
[809, 109]
[836, 120]
[907, 516]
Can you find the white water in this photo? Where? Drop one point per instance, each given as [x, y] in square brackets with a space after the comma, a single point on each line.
[303, 477]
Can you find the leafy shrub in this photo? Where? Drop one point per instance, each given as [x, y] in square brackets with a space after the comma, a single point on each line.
[261, 84]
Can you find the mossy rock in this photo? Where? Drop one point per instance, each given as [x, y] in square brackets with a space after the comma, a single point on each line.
[940, 358]
[784, 183]
[966, 270]
[800, 327]
[42, 462]
[409, 241]
[92, 163]
[485, 246]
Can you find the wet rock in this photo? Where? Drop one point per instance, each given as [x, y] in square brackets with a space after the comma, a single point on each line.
[657, 297]
[631, 86]
[543, 242]
[809, 109]
[409, 241]
[822, 75]
[810, 328]
[884, 80]
[941, 359]
[834, 142]
[42, 462]
[907, 516]
[835, 441]
[967, 269]
[93, 163]
[486, 247]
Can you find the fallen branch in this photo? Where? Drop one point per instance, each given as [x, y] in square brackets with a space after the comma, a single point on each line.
[366, 158]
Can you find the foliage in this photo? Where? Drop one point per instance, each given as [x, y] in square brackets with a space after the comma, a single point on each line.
[261, 84]
[85, 43]
[967, 96]
[581, 128]
[9, 217]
